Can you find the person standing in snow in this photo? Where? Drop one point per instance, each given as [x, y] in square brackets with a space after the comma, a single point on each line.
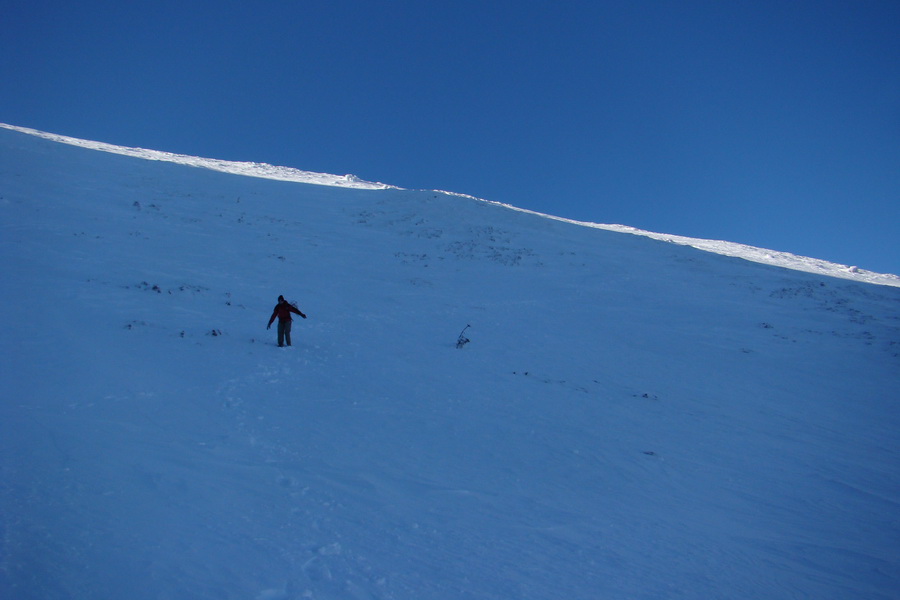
[283, 311]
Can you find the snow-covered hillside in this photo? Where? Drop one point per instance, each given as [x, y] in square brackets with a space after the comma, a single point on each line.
[266, 171]
[631, 419]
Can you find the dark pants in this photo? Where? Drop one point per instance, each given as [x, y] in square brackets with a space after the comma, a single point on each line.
[284, 332]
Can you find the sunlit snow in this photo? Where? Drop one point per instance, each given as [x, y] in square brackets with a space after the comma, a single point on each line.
[266, 171]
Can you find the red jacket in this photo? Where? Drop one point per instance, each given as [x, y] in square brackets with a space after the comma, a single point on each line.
[283, 311]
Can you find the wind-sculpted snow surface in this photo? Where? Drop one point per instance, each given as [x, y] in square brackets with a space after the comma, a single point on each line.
[630, 419]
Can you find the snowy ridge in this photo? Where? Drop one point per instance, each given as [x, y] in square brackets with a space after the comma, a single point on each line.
[764, 256]
[249, 169]
[265, 171]
[767, 257]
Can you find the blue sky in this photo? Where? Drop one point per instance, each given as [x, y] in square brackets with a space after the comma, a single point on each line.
[775, 124]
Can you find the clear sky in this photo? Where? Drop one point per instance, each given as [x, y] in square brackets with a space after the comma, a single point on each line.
[771, 123]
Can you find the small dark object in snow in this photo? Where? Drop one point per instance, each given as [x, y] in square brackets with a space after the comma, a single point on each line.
[462, 340]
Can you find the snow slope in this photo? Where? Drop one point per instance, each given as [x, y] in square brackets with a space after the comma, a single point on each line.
[266, 171]
[632, 419]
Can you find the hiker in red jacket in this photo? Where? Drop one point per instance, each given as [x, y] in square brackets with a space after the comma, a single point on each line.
[283, 311]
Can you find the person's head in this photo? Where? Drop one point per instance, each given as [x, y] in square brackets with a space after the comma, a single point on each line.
[281, 298]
